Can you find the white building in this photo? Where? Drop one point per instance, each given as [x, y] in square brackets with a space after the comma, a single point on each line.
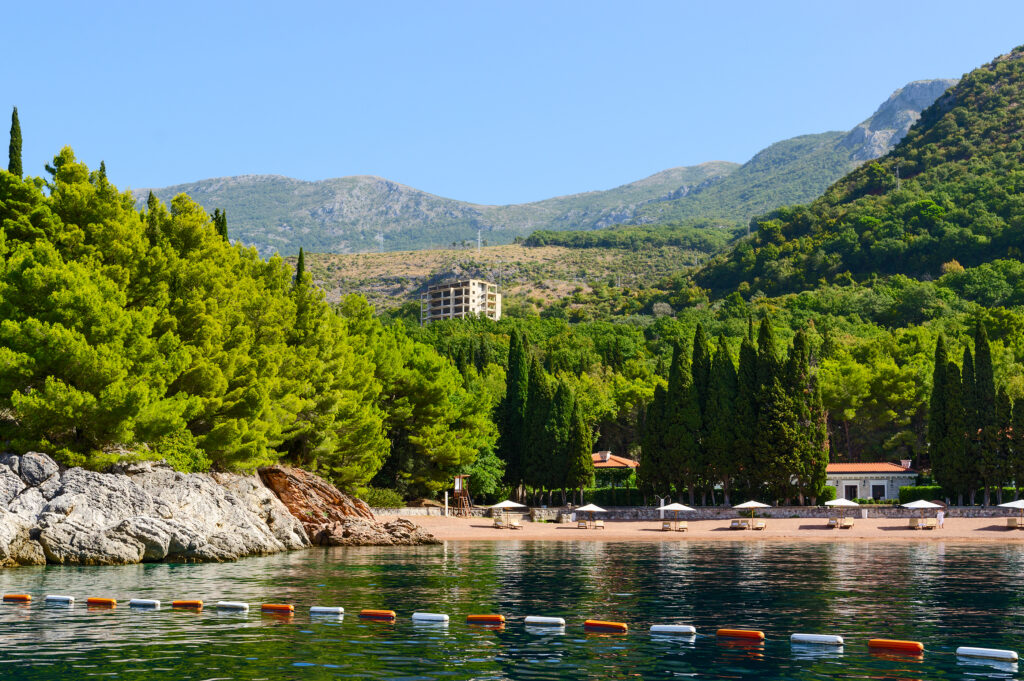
[869, 480]
[457, 299]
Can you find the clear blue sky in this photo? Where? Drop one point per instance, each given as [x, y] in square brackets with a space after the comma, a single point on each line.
[492, 102]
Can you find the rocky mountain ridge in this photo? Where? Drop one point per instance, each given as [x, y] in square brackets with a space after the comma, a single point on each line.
[365, 213]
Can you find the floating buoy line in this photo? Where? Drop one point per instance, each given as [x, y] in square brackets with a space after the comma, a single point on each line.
[498, 621]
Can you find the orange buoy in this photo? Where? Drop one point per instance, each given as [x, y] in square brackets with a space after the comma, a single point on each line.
[17, 598]
[278, 608]
[187, 605]
[377, 614]
[741, 633]
[601, 625]
[101, 602]
[485, 619]
[913, 647]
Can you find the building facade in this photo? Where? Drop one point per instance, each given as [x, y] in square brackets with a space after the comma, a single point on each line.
[458, 299]
[869, 480]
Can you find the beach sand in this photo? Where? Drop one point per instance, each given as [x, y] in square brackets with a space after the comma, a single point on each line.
[778, 529]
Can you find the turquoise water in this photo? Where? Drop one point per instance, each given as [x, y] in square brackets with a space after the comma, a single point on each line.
[944, 595]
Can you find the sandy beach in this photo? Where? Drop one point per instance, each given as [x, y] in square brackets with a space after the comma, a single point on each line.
[778, 529]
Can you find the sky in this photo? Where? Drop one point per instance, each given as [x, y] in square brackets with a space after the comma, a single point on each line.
[489, 102]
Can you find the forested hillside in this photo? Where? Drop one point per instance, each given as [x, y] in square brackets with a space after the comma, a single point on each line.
[950, 191]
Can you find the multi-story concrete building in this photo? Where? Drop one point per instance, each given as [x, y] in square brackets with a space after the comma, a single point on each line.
[455, 299]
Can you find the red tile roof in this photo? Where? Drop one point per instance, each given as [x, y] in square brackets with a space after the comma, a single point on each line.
[877, 467]
[612, 462]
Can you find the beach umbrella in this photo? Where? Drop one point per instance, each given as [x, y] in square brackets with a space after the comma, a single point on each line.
[922, 505]
[677, 507]
[842, 505]
[751, 505]
[1018, 504]
[592, 509]
[503, 506]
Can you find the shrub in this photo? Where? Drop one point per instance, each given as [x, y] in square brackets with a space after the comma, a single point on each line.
[613, 496]
[827, 494]
[916, 492]
[378, 497]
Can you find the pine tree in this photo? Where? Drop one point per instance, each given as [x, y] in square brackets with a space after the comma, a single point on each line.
[14, 150]
[512, 410]
[580, 472]
[720, 443]
[937, 427]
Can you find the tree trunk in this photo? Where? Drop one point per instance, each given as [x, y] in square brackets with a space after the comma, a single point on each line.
[987, 497]
[973, 493]
[959, 498]
[690, 491]
[999, 493]
[725, 492]
[849, 447]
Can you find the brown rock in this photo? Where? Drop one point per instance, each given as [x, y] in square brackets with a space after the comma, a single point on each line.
[333, 518]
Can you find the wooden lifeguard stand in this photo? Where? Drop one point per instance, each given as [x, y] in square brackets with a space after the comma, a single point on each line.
[463, 504]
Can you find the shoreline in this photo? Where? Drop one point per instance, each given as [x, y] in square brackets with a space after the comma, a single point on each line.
[971, 530]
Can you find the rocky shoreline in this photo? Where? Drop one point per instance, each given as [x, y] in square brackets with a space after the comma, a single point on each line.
[147, 512]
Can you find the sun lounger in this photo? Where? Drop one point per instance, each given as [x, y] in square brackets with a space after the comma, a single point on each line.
[499, 523]
[1011, 524]
[515, 525]
[582, 525]
[598, 524]
[738, 524]
[833, 522]
[759, 524]
[914, 523]
[930, 524]
[846, 523]
[666, 526]
[682, 526]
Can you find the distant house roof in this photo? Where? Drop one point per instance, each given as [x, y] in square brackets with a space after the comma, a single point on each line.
[877, 467]
[609, 460]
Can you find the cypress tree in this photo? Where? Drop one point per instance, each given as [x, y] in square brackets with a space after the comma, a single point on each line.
[556, 436]
[701, 366]
[220, 224]
[650, 472]
[300, 267]
[580, 472]
[968, 467]
[777, 452]
[767, 355]
[14, 150]
[683, 413]
[937, 427]
[1003, 471]
[1016, 462]
[745, 433]
[952, 449]
[512, 410]
[985, 432]
[720, 444]
[539, 396]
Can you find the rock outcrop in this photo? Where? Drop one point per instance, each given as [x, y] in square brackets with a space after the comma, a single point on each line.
[137, 512]
[333, 518]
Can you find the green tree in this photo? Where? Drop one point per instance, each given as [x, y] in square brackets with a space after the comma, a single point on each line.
[14, 149]
[720, 443]
[536, 454]
[512, 411]
[986, 428]
[938, 429]
[556, 434]
[580, 472]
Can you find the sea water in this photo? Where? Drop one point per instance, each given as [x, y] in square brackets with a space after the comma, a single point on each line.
[942, 594]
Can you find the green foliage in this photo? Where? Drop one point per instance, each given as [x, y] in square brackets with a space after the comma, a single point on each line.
[377, 497]
[827, 493]
[702, 236]
[920, 493]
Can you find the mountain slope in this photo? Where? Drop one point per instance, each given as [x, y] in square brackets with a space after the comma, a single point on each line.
[953, 189]
[798, 170]
[364, 213]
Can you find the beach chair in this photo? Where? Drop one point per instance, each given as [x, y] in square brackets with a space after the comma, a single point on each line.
[683, 526]
[846, 523]
[598, 524]
[914, 523]
[514, 524]
[581, 525]
[833, 522]
[666, 526]
[930, 524]
[499, 523]
[1011, 524]
[759, 525]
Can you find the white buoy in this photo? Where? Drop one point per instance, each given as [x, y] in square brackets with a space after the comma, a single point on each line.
[233, 605]
[820, 639]
[326, 610]
[987, 653]
[144, 603]
[432, 617]
[684, 629]
[545, 621]
[59, 600]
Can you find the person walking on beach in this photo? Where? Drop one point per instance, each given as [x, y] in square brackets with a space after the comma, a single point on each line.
[940, 518]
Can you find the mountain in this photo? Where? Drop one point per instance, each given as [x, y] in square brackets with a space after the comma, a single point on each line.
[798, 170]
[362, 213]
[950, 195]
